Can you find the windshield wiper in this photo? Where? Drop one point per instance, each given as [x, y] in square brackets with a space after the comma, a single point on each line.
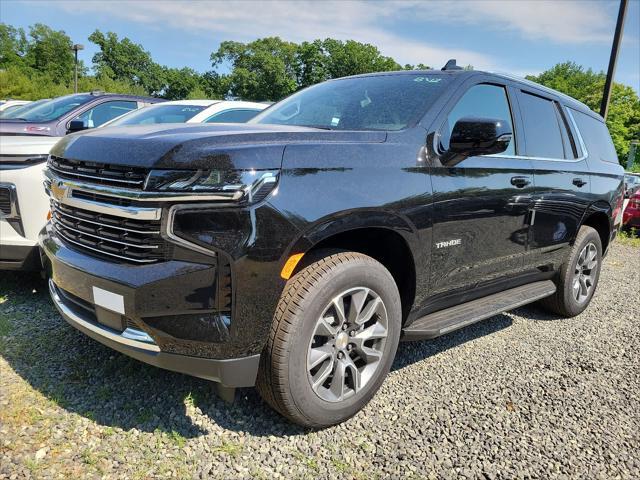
[321, 127]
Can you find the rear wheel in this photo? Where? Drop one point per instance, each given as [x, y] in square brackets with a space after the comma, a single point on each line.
[578, 276]
[333, 339]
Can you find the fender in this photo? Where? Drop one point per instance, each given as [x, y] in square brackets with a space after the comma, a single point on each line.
[351, 220]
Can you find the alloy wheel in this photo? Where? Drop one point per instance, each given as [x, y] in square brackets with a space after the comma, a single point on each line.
[347, 344]
[585, 273]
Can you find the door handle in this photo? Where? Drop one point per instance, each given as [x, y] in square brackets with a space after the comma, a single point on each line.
[578, 182]
[520, 182]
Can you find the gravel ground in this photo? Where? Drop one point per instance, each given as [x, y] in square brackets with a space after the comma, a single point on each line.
[522, 395]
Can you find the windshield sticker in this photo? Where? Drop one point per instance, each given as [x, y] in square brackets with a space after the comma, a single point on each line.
[427, 79]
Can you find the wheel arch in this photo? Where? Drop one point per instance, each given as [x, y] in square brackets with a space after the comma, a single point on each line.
[388, 238]
[598, 216]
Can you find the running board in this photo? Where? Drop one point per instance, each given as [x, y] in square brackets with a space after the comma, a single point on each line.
[453, 318]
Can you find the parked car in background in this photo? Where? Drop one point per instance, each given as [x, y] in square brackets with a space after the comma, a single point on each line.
[20, 109]
[10, 105]
[631, 215]
[631, 184]
[294, 251]
[53, 118]
[192, 111]
[23, 201]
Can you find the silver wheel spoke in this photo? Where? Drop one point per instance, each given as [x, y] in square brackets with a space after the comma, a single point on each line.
[357, 302]
[318, 355]
[324, 328]
[337, 382]
[373, 332]
[369, 311]
[323, 374]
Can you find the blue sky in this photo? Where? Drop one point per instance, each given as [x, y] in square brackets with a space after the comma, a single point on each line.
[518, 37]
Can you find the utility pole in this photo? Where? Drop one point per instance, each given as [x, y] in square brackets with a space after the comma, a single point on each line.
[606, 95]
[75, 48]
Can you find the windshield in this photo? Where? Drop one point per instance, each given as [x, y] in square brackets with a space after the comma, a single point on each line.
[53, 109]
[383, 102]
[21, 109]
[159, 114]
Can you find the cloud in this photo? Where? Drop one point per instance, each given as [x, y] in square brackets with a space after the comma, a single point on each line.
[554, 20]
[369, 22]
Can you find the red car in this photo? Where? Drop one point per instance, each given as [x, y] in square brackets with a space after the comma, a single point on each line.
[631, 215]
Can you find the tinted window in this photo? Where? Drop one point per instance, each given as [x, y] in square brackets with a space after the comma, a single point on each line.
[381, 102]
[596, 137]
[232, 116]
[106, 111]
[19, 112]
[484, 101]
[541, 128]
[54, 109]
[160, 114]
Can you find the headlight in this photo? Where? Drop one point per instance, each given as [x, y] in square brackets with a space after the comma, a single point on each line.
[23, 159]
[250, 185]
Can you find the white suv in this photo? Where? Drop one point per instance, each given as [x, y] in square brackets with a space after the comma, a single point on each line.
[23, 203]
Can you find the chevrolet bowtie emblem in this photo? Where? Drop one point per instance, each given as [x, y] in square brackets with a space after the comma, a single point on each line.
[58, 190]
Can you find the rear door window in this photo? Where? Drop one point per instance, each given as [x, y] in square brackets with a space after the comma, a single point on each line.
[596, 137]
[541, 127]
[480, 101]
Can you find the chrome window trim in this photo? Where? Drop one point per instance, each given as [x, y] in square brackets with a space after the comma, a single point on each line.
[583, 147]
[131, 337]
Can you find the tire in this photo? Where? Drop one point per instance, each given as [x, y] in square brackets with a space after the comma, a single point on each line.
[307, 327]
[566, 301]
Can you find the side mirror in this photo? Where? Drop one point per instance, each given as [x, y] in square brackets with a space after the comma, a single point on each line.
[78, 126]
[479, 136]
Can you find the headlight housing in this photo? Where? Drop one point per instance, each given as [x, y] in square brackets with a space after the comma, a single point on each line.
[249, 185]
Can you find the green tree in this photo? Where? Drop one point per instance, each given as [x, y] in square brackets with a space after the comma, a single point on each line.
[49, 52]
[126, 60]
[13, 46]
[264, 69]
[179, 83]
[587, 86]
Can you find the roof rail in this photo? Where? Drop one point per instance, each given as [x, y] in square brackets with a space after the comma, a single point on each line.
[451, 65]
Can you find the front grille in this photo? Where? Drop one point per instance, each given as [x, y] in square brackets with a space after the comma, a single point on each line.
[5, 201]
[109, 236]
[100, 173]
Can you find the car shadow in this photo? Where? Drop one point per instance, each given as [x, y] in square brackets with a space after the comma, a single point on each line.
[84, 377]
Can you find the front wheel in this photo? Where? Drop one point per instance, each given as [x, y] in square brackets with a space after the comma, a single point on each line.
[333, 339]
[578, 276]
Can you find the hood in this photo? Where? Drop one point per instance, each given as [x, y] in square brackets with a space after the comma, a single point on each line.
[26, 144]
[214, 146]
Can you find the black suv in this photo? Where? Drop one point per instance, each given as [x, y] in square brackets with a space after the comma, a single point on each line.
[294, 252]
[86, 110]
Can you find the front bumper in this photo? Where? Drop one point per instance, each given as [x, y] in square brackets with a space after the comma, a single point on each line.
[235, 372]
[166, 318]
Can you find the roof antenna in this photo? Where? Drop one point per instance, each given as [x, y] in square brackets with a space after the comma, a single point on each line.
[451, 65]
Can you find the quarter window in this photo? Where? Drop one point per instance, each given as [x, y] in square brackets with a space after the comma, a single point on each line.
[541, 127]
[596, 136]
[483, 101]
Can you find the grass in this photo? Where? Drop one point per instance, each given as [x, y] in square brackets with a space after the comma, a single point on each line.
[178, 439]
[5, 325]
[629, 237]
[230, 448]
